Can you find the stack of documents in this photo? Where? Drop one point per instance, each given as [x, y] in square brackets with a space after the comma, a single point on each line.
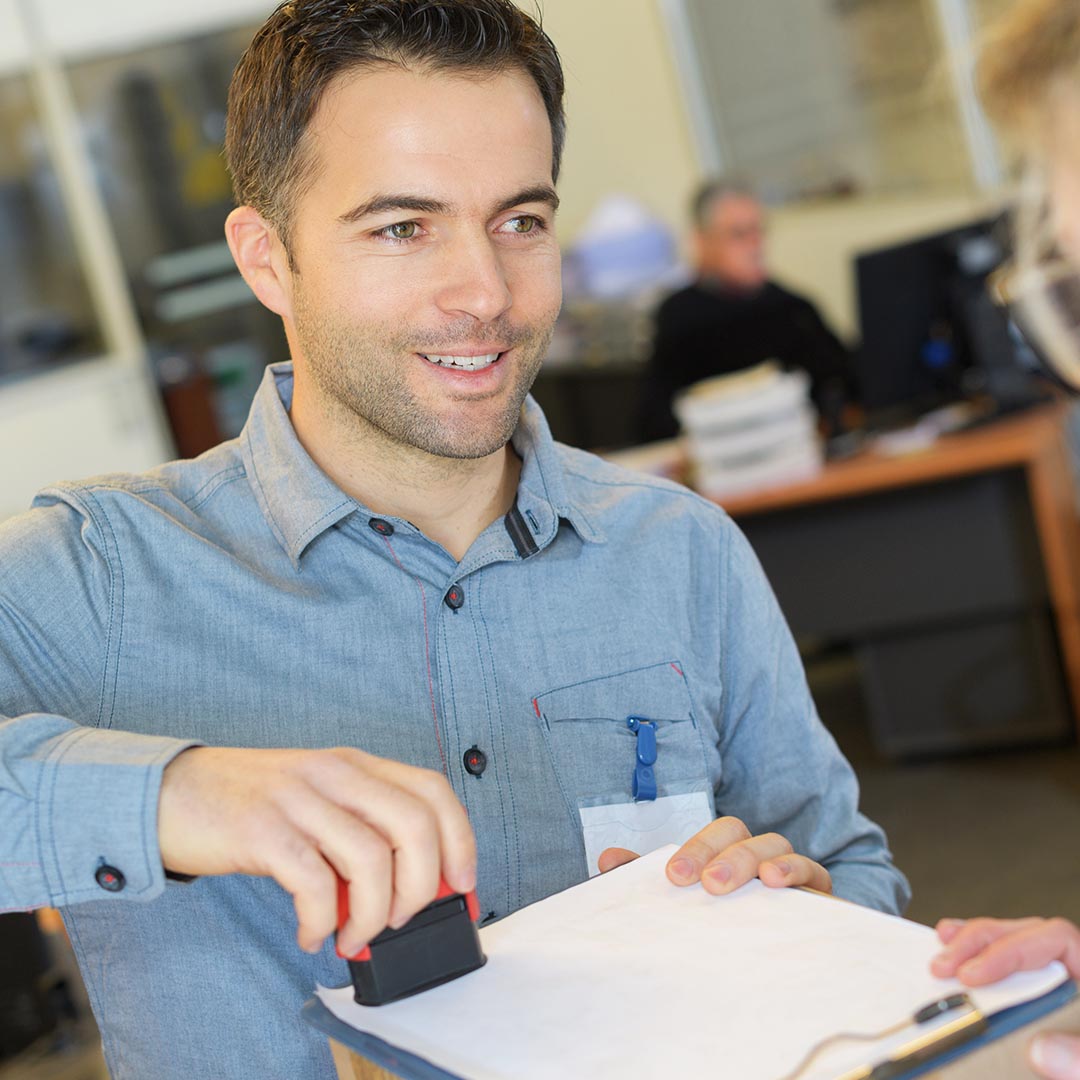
[628, 976]
[752, 430]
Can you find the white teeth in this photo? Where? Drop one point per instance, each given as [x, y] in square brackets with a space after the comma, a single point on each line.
[466, 363]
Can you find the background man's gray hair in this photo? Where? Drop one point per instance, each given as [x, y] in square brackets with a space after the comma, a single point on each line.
[712, 191]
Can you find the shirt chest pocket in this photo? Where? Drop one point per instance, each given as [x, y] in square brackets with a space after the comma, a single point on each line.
[593, 748]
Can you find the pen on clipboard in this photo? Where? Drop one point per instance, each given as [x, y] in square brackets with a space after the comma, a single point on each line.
[969, 1023]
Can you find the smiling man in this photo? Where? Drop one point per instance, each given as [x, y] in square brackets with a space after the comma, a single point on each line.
[393, 630]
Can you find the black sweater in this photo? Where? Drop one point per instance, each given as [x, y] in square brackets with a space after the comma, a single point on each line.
[703, 331]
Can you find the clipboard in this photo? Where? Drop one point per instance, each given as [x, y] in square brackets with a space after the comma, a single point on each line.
[628, 975]
[411, 1067]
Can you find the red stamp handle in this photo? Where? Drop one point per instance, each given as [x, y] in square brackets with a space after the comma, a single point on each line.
[365, 953]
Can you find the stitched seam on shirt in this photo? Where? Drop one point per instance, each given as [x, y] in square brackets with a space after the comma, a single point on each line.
[427, 657]
[571, 808]
[116, 586]
[510, 835]
[215, 484]
[47, 778]
[550, 501]
[459, 762]
[264, 504]
[314, 527]
[54, 762]
[682, 493]
[487, 702]
[91, 985]
[510, 554]
[604, 678]
[135, 486]
[725, 587]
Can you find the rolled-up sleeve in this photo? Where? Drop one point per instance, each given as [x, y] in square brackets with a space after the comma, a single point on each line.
[79, 807]
[782, 770]
[78, 801]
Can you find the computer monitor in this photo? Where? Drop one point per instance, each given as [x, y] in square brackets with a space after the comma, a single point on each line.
[930, 332]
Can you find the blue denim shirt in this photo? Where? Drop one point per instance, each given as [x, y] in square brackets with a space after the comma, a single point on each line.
[243, 599]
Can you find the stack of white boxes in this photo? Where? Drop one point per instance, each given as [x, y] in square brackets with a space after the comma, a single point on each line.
[749, 431]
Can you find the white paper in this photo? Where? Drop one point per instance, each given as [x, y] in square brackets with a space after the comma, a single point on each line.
[643, 826]
[630, 977]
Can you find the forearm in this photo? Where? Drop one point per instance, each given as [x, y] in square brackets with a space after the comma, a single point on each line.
[783, 770]
[862, 871]
[74, 799]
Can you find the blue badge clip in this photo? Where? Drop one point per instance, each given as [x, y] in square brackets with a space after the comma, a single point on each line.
[643, 785]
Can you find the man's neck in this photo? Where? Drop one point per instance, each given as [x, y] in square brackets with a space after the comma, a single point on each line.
[450, 501]
[714, 283]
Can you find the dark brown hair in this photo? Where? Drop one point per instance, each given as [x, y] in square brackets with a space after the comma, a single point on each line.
[305, 44]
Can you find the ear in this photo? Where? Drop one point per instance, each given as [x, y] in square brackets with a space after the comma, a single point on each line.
[261, 258]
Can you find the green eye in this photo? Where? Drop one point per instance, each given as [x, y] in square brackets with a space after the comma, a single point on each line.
[524, 224]
[403, 230]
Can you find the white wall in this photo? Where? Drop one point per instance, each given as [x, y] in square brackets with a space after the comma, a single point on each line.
[812, 245]
[628, 129]
[84, 27]
[91, 418]
[13, 47]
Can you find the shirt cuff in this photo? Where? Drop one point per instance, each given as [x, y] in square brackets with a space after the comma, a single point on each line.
[97, 812]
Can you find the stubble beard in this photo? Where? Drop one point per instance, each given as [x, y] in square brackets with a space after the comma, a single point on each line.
[355, 370]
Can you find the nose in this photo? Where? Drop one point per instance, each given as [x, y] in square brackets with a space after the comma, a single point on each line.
[474, 280]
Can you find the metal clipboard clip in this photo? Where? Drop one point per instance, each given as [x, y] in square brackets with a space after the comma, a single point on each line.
[920, 1050]
[925, 1048]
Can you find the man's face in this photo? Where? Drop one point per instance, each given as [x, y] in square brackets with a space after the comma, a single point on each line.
[427, 276]
[731, 243]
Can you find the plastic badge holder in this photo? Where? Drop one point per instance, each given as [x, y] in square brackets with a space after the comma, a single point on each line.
[436, 945]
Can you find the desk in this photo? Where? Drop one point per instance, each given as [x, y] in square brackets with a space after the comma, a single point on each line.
[955, 574]
[352, 1066]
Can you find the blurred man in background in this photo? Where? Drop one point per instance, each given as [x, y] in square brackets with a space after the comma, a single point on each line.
[734, 317]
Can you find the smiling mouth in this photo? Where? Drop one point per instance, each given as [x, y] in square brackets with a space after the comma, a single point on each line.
[463, 363]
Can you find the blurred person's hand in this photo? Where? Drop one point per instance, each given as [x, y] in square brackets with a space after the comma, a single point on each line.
[981, 951]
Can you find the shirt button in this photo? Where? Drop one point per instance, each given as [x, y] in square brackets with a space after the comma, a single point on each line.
[475, 761]
[383, 528]
[455, 597]
[109, 878]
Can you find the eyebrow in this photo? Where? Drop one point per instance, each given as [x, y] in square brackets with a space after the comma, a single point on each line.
[418, 204]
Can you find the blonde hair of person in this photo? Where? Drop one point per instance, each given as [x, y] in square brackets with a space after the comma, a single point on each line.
[1029, 82]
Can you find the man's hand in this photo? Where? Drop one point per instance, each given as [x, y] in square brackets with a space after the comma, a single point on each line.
[724, 855]
[981, 951]
[298, 816]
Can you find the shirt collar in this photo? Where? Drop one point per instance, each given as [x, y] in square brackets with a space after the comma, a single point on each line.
[300, 501]
[297, 498]
[543, 491]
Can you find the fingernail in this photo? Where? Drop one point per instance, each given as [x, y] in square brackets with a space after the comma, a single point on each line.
[465, 880]
[783, 867]
[951, 924]
[970, 970]
[683, 869]
[941, 958]
[719, 874]
[1055, 1055]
